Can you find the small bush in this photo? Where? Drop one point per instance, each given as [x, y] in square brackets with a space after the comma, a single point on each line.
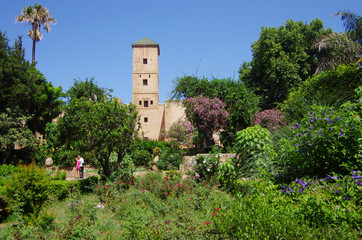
[254, 148]
[169, 159]
[206, 166]
[88, 185]
[59, 189]
[60, 175]
[141, 157]
[125, 170]
[27, 190]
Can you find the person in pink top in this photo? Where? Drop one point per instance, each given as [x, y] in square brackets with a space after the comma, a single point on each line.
[77, 165]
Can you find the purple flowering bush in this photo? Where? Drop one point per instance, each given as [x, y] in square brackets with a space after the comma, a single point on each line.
[326, 141]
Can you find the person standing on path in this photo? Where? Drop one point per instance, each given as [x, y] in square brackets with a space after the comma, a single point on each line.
[77, 165]
[81, 165]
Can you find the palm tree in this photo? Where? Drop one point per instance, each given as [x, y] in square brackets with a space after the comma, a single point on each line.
[336, 49]
[352, 23]
[37, 16]
[340, 48]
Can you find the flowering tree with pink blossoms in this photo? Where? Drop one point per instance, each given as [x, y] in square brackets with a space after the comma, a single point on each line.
[270, 119]
[206, 114]
[181, 133]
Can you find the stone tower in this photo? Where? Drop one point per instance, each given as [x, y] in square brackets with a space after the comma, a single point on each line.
[145, 73]
[145, 87]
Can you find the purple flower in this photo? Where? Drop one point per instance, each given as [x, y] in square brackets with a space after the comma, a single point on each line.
[359, 182]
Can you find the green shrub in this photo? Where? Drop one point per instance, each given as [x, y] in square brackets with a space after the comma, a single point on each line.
[326, 141]
[141, 157]
[227, 174]
[206, 166]
[60, 175]
[156, 151]
[27, 190]
[64, 156]
[4, 209]
[329, 88]
[149, 145]
[124, 171]
[256, 140]
[6, 170]
[59, 189]
[87, 185]
[266, 213]
[170, 158]
[254, 149]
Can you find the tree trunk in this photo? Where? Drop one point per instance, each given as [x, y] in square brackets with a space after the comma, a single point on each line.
[33, 53]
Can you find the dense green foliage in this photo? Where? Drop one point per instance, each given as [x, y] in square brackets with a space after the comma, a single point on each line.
[100, 128]
[326, 141]
[143, 152]
[26, 191]
[12, 130]
[239, 102]
[95, 125]
[282, 59]
[206, 166]
[169, 159]
[254, 148]
[158, 206]
[25, 91]
[329, 89]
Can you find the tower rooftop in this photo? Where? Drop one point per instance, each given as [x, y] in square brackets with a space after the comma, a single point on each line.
[146, 42]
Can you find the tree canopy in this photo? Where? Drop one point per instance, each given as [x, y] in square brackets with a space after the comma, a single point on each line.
[24, 88]
[97, 126]
[240, 102]
[282, 59]
[27, 100]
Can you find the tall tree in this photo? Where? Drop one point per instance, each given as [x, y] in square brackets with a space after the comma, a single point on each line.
[37, 16]
[352, 23]
[336, 49]
[343, 48]
[282, 59]
[96, 127]
[23, 87]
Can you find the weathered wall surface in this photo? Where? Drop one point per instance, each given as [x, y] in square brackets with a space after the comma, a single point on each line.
[174, 112]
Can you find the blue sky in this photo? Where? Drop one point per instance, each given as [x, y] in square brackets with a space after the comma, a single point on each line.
[204, 38]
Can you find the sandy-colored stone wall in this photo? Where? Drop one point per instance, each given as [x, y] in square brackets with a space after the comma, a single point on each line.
[151, 122]
[174, 112]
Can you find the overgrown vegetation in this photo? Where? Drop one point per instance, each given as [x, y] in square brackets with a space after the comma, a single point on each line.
[296, 174]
